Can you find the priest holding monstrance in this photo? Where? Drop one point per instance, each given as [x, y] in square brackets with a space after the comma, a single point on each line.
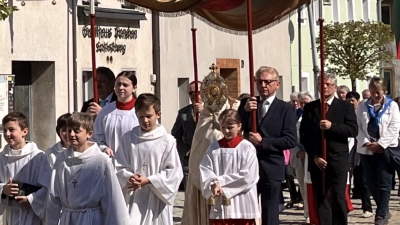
[215, 97]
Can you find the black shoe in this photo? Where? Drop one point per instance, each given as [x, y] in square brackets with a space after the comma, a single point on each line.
[380, 221]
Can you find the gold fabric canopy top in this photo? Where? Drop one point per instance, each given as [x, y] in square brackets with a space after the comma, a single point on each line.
[230, 14]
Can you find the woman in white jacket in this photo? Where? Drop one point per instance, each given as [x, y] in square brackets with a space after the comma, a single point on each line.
[378, 130]
[298, 154]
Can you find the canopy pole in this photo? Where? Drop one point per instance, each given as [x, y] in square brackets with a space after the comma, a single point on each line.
[251, 62]
[322, 86]
[196, 75]
[93, 40]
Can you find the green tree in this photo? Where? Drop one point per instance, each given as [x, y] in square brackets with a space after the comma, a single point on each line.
[6, 10]
[354, 49]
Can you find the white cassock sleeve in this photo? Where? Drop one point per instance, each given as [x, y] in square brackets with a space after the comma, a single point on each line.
[207, 173]
[38, 199]
[165, 183]
[98, 135]
[123, 161]
[53, 204]
[113, 202]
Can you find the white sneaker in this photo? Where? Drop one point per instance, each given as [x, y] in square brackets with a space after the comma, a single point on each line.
[308, 220]
[367, 214]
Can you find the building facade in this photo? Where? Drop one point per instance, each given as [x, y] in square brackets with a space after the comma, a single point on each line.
[47, 48]
[333, 11]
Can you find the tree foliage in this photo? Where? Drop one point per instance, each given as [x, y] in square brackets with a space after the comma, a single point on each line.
[354, 49]
[6, 10]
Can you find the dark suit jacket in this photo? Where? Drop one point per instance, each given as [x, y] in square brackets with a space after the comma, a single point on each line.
[86, 104]
[278, 131]
[183, 130]
[344, 125]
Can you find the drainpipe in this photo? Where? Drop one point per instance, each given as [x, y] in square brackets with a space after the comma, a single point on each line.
[74, 54]
[299, 40]
[379, 13]
[316, 70]
[155, 25]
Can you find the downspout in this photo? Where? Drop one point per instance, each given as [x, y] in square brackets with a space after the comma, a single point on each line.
[379, 13]
[316, 70]
[299, 41]
[74, 54]
[155, 25]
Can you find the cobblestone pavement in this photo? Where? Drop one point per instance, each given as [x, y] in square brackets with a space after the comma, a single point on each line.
[294, 216]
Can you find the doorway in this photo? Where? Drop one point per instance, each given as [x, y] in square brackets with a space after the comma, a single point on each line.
[229, 69]
[35, 98]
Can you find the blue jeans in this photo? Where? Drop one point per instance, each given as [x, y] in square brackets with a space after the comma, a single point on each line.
[378, 176]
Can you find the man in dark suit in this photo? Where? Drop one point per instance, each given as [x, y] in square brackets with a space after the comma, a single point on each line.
[339, 125]
[105, 87]
[184, 127]
[276, 132]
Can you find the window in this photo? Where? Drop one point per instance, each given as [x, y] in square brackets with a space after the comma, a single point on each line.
[87, 85]
[303, 15]
[350, 10]
[327, 2]
[386, 14]
[366, 16]
[183, 89]
[316, 12]
[388, 78]
[335, 11]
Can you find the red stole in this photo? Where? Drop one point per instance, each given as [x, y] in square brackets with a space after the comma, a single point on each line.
[223, 143]
[126, 106]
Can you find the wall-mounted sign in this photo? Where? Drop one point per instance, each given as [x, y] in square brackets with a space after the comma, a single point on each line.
[107, 33]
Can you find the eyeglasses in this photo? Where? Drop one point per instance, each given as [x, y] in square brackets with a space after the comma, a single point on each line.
[267, 82]
[327, 84]
[192, 92]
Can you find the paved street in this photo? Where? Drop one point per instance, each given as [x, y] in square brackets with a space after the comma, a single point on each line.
[293, 216]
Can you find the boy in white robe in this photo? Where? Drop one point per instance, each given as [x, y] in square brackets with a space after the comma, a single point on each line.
[61, 129]
[229, 170]
[24, 175]
[84, 189]
[148, 166]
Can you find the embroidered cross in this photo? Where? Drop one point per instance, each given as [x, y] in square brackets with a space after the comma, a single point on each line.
[74, 182]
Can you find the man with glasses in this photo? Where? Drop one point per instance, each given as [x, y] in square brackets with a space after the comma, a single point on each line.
[185, 125]
[339, 125]
[276, 132]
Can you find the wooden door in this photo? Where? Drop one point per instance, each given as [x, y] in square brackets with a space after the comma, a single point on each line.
[229, 69]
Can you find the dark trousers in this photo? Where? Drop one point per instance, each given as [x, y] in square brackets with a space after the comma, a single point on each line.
[362, 188]
[289, 177]
[378, 175]
[270, 191]
[332, 207]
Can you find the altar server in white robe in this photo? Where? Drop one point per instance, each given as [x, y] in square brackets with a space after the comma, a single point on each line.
[61, 129]
[229, 170]
[84, 189]
[24, 175]
[148, 166]
[118, 117]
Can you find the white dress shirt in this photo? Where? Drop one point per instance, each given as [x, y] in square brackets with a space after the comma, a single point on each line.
[266, 103]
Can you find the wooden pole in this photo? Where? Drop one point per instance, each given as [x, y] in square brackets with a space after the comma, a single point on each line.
[322, 86]
[196, 75]
[251, 62]
[93, 40]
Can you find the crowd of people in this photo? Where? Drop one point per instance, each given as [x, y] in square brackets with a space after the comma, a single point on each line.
[115, 164]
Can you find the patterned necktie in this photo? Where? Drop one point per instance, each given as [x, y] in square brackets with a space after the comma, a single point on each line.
[326, 108]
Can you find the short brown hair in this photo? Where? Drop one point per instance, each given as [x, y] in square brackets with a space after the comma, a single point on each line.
[78, 119]
[17, 117]
[231, 116]
[146, 100]
[377, 82]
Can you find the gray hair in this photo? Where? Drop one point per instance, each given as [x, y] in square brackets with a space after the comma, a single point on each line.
[304, 94]
[344, 87]
[365, 90]
[294, 95]
[268, 69]
[329, 76]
